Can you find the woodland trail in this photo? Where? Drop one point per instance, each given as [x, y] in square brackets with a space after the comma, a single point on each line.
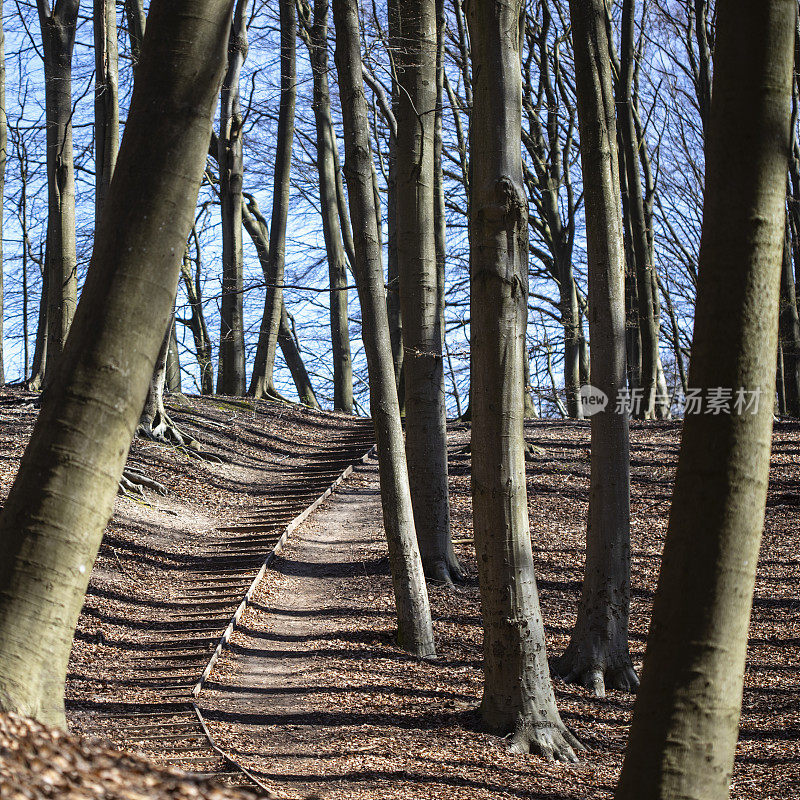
[270, 695]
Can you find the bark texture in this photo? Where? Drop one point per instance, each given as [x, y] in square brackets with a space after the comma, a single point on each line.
[518, 697]
[262, 382]
[316, 37]
[415, 630]
[686, 716]
[58, 40]
[61, 500]
[597, 655]
[231, 370]
[106, 98]
[414, 47]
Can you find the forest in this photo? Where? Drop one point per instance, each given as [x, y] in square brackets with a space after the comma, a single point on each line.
[399, 398]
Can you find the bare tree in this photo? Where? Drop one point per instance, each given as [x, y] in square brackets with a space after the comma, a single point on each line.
[415, 630]
[518, 697]
[686, 717]
[62, 497]
[58, 40]
[597, 655]
[231, 368]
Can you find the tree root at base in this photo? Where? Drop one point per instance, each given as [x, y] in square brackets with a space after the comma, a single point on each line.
[595, 674]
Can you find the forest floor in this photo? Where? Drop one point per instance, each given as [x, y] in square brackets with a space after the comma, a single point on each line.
[314, 695]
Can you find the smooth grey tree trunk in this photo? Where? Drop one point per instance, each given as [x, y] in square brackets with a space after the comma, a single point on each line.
[58, 40]
[62, 497]
[597, 655]
[789, 328]
[413, 41]
[685, 722]
[256, 226]
[106, 98]
[518, 697]
[415, 630]
[647, 321]
[231, 365]
[262, 382]
[316, 37]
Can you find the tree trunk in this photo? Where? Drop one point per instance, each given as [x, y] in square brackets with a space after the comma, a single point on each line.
[789, 328]
[262, 382]
[173, 379]
[106, 98]
[317, 41]
[3, 160]
[256, 226]
[411, 595]
[231, 366]
[518, 695]
[62, 498]
[197, 323]
[571, 320]
[685, 722]
[58, 40]
[597, 655]
[291, 354]
[134, 13]
[642, 257]
[414, 46]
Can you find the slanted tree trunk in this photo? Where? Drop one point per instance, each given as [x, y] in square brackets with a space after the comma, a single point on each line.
[61, 500]
[415, 630]
[262, 383]
[256, 226]
[597, 655]
[231, 367]
[789, 327]
[685, 721]
[414, 45]
[58, 40]
[316, 37]
[106, 98]
[518, 696]
[287, 339]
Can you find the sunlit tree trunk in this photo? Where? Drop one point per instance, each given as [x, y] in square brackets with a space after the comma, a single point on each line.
[256, 226]
[231, 367]
[414, 46]
[106, 98]
[58, 41]
[61, 500]
[316, 36]
[415, 630]
[262, 383]
[685, 722]
[597, 655]
[789, 328]
[518, 697]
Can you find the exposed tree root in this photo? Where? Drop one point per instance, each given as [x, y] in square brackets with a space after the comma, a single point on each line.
[445, 571]
[552, 741]
[596, 668]
[134, 481]
[162, 429]
[532, 451]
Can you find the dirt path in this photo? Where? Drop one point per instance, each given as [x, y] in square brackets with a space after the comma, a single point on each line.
[269, 685]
